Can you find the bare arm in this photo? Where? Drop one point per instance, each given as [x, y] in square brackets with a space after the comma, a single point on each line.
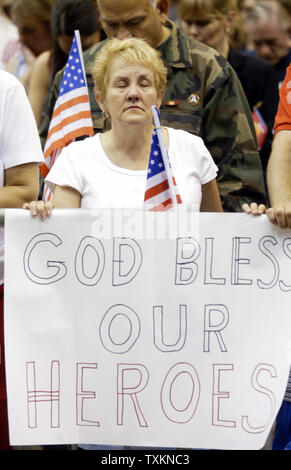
[21, 184]
[39, 85]
[279, 169]
[64, 197]
[279, 183]
[210, 198]
[279, 180]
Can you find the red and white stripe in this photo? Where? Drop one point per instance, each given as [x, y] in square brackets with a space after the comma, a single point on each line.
[72, 115]
[157, 195]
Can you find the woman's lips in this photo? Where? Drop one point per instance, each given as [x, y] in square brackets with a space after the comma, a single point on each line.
[133, 107]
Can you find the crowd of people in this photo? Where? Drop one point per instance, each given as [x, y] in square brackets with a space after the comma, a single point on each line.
[218, 70]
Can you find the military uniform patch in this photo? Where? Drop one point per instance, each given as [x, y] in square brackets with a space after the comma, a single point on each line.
[193, 99]
[171, 103]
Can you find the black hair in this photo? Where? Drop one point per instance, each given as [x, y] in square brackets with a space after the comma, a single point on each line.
[66, 17]
[69, 15]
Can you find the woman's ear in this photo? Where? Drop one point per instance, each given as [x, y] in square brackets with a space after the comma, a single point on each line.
[160, 98]
[100, 101]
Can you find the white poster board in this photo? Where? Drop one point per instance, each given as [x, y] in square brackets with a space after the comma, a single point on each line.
[146, 329]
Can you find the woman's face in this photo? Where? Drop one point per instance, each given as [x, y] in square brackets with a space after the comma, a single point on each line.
[35, 35]
[207, 29]
[130, 93]
[65, 42]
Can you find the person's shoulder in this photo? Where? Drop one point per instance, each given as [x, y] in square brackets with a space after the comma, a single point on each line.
[211, 66]
[184, 137]
[84, 145]
[200, 51]
[287, 77]
[253, 61]
[41, 71]
[43, 59]
[8, 78]
[9, 82]
[89, 54]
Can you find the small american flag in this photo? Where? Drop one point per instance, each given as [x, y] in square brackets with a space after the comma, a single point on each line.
[72, 115]
[260, 128]
[158, 195]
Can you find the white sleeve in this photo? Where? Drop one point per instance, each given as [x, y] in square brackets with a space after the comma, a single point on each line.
[207, 168]
[192, 153]
[66, 170]
[20, 142]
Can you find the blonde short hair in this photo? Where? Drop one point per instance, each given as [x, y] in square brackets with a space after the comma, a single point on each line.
[132, 51]
[217, 8]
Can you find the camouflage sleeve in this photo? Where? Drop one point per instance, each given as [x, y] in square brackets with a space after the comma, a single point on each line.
[228, 132]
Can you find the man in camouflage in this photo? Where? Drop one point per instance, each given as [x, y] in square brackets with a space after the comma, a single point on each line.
[203, 96]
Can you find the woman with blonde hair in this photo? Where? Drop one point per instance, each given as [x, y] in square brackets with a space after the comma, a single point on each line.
[214, 22]
[130, 78]
[109, 170]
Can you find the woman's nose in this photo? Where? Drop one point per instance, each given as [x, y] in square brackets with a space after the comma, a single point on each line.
[133, 92]
[193, 30]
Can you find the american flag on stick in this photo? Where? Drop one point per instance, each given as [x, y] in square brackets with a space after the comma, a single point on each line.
[72, 115]
[161, 188]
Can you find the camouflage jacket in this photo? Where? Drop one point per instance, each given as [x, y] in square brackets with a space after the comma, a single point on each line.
[203, 96]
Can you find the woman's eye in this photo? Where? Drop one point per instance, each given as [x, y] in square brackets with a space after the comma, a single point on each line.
[203, 23]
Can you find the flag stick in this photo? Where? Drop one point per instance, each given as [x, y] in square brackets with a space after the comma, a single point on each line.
[164, 153]
[78, 41]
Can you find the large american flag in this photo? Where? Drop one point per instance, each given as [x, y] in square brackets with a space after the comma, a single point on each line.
[72, 115]
[158, 196]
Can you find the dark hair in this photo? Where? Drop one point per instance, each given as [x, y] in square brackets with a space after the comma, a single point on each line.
[66, 17]
[31, 9]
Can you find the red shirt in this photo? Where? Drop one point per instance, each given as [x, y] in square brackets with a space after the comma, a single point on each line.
[283, 116]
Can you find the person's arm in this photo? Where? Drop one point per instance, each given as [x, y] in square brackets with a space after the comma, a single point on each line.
[20, 185]
[279, 180]
[39, 85]
[20, 148]
[279, 169]
[279, 183]
[64, 198]
[279, 164]
[210, 198]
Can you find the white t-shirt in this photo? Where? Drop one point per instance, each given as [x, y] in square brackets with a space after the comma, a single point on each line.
[8, 36]
[19, 139]
[85, 167]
